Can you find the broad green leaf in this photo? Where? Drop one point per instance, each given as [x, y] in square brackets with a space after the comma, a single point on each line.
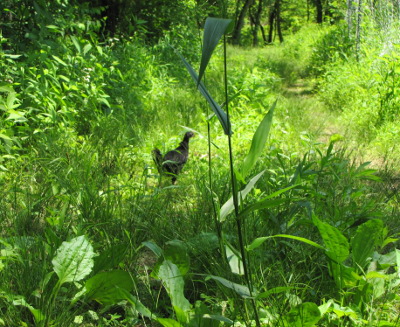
[228, 207]
[234, 260]
[12, 102]
[6, 88]
[258, 241]
[176, 252]
[105, 287]
[76, 43]
[257, 144]
[398, 261]
[344, 276]
[242, 290]
[344, 311]
[364, 242]
[174, 284]
[214, 28]
[153, 247]
[16, 116]
[109, 258]
[323, 308]
[5, 137]
[222, 117]
[87, 48]
[306, 314]
[73, 260]
[337, 246]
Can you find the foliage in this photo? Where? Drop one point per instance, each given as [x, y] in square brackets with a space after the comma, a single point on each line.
[90, 236]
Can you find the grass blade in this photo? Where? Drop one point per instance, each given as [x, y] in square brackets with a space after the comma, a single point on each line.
[260, 240]
[242, 290]
[222, 117]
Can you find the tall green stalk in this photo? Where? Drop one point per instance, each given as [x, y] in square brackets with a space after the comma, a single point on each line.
[239, 220]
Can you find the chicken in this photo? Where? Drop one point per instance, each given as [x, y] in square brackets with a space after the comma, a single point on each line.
[173, 161]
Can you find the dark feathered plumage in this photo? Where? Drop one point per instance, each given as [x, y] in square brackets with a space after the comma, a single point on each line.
[173, 161]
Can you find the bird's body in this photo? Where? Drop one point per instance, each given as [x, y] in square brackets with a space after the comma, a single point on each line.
[174, 160]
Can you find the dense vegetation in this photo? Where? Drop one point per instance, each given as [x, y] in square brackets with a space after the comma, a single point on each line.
[307, 129]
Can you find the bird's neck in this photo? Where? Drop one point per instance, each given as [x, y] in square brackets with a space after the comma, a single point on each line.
[184, 144]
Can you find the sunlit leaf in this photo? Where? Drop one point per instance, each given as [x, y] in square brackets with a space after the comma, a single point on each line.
[260, 240]
[234, 259]
[73, 260]
[304, 315]
[228, 207]
[87, 48]
[174, 284]
[337, 246]
[242, 290]
[59, 60]
[259, 139]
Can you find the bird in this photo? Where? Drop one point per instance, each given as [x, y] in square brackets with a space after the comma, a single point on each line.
[173, 161]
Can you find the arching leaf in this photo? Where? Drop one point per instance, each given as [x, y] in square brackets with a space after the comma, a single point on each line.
[214, 28]
[257, 144]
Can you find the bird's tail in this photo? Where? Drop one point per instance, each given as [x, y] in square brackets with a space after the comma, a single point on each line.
[158, 159]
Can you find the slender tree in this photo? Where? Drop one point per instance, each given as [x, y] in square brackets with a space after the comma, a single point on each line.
[237, 31]
[255, 18]
[274, 21]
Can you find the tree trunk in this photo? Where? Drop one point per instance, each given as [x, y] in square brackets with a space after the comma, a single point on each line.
[264, 36]
[349, 17]
[358, 28]
[256, 20]
[278, 20]
[319, 8]
[237, 31]
[271, 23]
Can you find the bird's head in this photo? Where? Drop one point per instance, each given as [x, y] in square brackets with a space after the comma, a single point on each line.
[188, 136]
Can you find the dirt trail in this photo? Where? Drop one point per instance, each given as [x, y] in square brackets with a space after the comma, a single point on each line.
[322, 122]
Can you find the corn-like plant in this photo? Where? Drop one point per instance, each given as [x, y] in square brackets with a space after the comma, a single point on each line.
[214, 30]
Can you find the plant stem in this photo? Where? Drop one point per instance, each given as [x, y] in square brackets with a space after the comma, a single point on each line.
[235, 194]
